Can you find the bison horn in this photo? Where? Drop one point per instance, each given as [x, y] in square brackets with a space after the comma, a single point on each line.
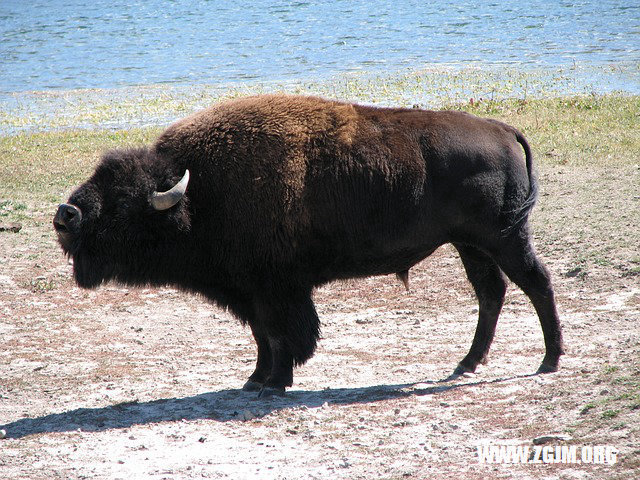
[165, 200]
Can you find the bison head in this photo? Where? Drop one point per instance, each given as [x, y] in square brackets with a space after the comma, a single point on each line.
[126, 222]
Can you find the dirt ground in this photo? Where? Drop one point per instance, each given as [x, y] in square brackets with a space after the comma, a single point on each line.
[123, 383]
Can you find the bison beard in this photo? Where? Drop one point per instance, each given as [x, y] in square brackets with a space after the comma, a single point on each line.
[286, 193]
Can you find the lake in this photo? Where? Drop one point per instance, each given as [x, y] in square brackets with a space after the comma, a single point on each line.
[71, 44]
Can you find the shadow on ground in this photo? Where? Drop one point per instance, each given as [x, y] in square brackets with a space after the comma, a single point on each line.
[226, 405]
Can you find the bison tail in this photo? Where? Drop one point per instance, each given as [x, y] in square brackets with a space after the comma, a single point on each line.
[519, 215]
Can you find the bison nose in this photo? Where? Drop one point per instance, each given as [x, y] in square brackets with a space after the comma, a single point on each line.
[67, 218]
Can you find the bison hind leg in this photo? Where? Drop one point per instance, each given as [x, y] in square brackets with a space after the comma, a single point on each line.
[490, 286]
[517, 258]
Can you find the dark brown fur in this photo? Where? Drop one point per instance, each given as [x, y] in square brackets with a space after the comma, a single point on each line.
[287, 193]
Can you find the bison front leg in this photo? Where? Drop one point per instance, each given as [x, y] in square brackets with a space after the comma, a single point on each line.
[291, 328]
[490, 287]
[264, 363]
[281, 375]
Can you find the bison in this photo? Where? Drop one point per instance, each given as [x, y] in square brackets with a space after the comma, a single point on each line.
[254, 202]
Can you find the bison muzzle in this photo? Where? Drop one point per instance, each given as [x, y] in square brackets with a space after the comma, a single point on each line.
[254, 202]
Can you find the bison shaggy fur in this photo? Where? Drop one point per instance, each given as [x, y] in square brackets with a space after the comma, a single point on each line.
[286, 193]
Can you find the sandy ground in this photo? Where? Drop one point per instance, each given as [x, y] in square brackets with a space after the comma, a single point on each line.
[123, 383]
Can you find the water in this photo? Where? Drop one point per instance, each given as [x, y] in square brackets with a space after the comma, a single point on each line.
[71, 44]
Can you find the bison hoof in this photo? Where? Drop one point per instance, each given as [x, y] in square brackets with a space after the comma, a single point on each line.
[268, 392]
[461, 370]
[252, 386]
[546, 368]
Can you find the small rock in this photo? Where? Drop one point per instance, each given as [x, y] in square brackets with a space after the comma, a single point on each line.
[202, 439]
[551, 438]
[10, 227]
[3, 434]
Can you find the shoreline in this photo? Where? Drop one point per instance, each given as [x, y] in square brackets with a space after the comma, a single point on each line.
[570, 130]
[431, 87]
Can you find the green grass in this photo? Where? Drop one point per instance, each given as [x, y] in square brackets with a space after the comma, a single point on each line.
[591, 130]
[13, 211]
[585, 131]
[608, 414]
[621, 394]
[38, 167]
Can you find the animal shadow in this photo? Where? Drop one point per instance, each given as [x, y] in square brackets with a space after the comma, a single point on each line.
[225, 405]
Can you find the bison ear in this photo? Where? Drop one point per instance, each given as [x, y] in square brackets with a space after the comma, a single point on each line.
[166, 200]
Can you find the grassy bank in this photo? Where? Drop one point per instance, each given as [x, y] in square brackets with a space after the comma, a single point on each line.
[429, 87]
[586, 131]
